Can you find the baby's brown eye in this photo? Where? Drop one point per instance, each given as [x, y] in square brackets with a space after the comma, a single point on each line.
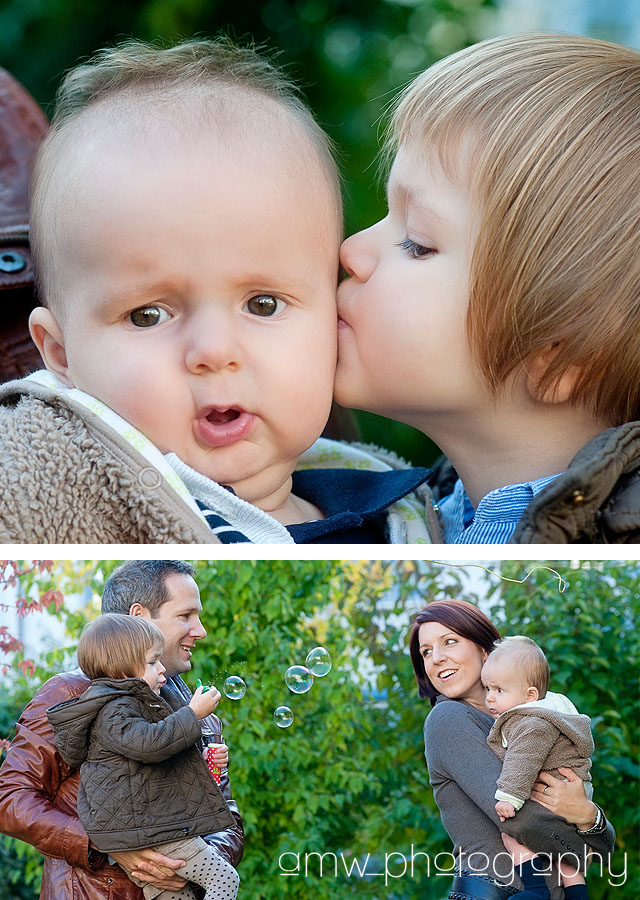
[263, 305]
[146, 316]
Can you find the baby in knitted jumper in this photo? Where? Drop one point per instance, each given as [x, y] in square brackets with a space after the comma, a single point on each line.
[535, 730]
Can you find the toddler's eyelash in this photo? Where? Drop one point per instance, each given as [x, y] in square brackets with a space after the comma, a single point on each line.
[417, 251]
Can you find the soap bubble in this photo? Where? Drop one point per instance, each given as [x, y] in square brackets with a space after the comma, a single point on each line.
[283, 717]
[298, 679]
[319, 662]
[234, 687]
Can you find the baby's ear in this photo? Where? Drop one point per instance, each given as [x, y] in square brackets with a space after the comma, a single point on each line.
[561, 390]
[532, 694]
[48, 338]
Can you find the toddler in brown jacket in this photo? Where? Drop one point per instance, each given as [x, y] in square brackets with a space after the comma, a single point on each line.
[535, 729]
[143, 779]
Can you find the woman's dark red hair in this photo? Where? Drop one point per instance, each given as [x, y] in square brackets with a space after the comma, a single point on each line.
[460, 616]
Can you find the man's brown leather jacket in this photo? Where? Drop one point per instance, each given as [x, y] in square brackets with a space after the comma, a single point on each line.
[38, 792]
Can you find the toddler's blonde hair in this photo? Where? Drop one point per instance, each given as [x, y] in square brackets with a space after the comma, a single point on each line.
[545, 129]
[116, 646]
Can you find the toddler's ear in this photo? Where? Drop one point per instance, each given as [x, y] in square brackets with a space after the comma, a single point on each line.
[48, 338]
[561, 391]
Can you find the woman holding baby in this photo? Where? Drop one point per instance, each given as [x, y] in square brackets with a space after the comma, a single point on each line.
[449, 642]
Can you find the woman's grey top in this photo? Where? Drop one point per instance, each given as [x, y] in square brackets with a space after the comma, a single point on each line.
[463, 771]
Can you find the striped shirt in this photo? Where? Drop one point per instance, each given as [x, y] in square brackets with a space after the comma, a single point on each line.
[496, 517]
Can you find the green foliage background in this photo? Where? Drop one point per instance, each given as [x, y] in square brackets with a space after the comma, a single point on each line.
[349, 775]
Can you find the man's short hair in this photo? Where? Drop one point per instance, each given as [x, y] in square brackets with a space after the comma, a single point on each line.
[142, 581]
[522, 655]
[116, 646]
[544, 128]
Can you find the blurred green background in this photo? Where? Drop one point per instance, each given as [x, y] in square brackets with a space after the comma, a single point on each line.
[351, 57]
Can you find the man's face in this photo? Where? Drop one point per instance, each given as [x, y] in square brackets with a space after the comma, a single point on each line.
[179, 620]
[199, 302]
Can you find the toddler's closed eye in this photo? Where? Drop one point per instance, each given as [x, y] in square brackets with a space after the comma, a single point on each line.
[416, 251]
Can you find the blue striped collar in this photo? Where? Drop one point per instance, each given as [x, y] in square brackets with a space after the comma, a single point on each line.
[496, 517]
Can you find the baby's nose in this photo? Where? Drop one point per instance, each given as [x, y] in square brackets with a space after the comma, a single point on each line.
[212, 347]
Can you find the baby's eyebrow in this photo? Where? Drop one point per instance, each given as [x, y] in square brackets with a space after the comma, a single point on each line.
[139, 292]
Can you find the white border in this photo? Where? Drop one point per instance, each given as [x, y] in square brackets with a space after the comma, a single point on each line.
[441, 552]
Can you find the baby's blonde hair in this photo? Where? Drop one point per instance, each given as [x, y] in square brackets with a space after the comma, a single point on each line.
[524, 656]
[240, 84]
[545, 129]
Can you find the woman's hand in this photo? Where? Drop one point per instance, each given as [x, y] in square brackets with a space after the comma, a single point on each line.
[519, 853]
[565, 798]
[151, 867]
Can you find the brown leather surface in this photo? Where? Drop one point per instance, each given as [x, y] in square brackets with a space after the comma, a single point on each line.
[22, 126]
[18, 354]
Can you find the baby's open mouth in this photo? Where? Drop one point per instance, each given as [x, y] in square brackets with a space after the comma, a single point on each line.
[221, 426]
[222, 416]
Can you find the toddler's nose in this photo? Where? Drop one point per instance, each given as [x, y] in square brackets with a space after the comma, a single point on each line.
[357, 255]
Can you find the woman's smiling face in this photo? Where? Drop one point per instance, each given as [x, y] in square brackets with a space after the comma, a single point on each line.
[452, 663]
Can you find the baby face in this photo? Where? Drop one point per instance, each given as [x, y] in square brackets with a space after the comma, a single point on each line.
[504, 687]
[199, 302]
[402, 339]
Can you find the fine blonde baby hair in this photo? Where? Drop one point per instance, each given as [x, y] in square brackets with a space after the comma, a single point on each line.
[201, 83]
[525, 656]
[544, 129]
[116, 646]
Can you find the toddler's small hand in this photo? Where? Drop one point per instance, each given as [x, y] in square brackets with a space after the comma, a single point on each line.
[204, 702]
